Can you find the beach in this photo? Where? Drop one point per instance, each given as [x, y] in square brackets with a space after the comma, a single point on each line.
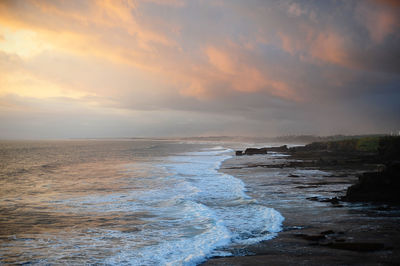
[123, 202]
[192, 132]
[319, 228]
[151, 202]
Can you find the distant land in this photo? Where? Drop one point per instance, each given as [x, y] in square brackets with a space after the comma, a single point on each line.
[287, 139]
[298, 139]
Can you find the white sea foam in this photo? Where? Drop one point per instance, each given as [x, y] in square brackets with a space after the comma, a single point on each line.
[199, 211]
[236, 217]
[179, 210]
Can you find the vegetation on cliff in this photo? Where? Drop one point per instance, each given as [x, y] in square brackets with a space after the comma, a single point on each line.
[379, 152]
[383, 185]
[359, 144]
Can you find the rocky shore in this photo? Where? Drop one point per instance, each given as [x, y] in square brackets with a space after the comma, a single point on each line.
[339, 200]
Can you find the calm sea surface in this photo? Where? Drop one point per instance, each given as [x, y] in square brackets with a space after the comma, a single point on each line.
[120, 202]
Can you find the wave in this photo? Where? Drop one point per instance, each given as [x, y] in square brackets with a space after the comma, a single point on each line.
[199, 212]
[156, 210]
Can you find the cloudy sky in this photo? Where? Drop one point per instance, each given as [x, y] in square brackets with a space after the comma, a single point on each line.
[110, 68]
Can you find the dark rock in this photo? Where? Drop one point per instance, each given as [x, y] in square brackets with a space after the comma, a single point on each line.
[327, 232]
[293, 175]
[377, 186]
[239, 153]
[253, 151]
[389, 149]
[331, 239]
[356, 246]
[311, 237]
[283, 148]
[314, 198]
[334, 200]
[130, 230]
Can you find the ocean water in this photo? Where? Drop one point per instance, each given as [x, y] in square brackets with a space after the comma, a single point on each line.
[130, 202]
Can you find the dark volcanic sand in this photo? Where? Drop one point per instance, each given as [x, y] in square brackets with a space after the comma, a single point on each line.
[316, 230]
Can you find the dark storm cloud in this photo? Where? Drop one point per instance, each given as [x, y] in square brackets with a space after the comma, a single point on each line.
[205, 67]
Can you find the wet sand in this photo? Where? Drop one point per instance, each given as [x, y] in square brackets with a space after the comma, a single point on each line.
[318, 229]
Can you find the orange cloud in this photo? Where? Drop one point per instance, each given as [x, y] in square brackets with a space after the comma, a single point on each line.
[221, 60]
[112, 30]
[391, 3]
[381, 18]
[326, 46]
[288, 44]
[96, 22]
[245, 76]
[330, 47]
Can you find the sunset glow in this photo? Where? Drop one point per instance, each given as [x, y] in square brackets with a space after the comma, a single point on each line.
[179, 68]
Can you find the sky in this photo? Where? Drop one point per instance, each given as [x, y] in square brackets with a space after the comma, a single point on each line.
[152, 68]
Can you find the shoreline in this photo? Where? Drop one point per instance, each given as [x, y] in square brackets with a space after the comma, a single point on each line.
[318, 229]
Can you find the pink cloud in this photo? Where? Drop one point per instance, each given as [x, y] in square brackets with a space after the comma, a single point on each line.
[243, 75]
[330, 47]
[380, 18]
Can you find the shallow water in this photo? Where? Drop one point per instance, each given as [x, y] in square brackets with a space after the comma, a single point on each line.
[123, 202]
[302, 195]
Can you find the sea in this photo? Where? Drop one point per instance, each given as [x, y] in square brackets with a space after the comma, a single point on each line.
[124, 202]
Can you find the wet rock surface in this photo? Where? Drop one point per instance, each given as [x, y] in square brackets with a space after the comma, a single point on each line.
[321, 227]
[383, 184]
[376, 187]
[253, 151]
